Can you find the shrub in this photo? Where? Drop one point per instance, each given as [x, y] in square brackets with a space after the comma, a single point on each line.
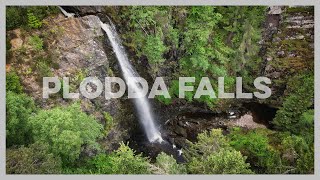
[168, 165]
[298, 154]
[212, 154]
[36, 42]
[208, 142]
[109, 122]
[19, 107]
[288, 117]
[13, 82]
[43, 69]
[255, 145]
[34, 159]
[15, 17]
[125, 161]
[154, 49]
[122, 161]
[66, 130]
[101, 164]
[33, 21]
[226, 161]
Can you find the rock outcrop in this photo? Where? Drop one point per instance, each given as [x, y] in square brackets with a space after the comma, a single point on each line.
[287, 47]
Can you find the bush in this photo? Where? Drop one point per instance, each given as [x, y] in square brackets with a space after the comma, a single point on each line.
[298, 154]
[66, 130]
[226, 161]
[101, 164]
[19, 107]
[300, 99]
[125, 161]
[122, 161]
[34, 159]
[13, 82]
[154, 49]
[33, 21]
[212, 154]
[36, 42]
[168, 165]
[15, 17]
[208, 142]
[255, 145]
[43, 69]
[274, 152]
[109, 122]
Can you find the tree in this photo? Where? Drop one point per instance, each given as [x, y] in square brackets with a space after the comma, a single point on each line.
[15, 17]
[125, 161]
[212, 154]
[255, 145]
[19, 107]
[34, 159]
[67, 130]
[13, 82]
[168, 165]
[18, 16]
[298, 155]
[226, 161]
[290, 116]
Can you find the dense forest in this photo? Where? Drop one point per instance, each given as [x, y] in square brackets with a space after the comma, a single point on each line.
[63, 136]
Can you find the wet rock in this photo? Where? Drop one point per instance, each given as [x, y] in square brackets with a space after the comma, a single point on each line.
[84, 10]
[246, 121]
[281, 54]
[269, 58]
[180, 123]
[181, 131]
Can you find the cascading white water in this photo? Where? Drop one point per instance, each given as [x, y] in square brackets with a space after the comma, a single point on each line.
[142, 104]
[65, 13]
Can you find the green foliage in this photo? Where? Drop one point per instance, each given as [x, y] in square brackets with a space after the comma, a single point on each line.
[255, 145]
[298, 154]
[13, 82]
[36, 42]
[33, 21]
[66, 130]
[15, 17]
[31, 16]
[125, 161]
[34, 159]
[43, 68]
[168, 165]
[291, 117]
[109, 122]
[212, 154]
[154, 49]
[122, 161]
[101, 164]
[207, 143]
[198, 41]
[226, 161]
[274, 152]
[19, 107]
[164, 100]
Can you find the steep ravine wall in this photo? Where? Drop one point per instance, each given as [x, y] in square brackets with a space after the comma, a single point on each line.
[79, 48]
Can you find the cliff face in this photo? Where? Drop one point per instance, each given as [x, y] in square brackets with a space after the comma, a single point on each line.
[288, 47]
[75, 47]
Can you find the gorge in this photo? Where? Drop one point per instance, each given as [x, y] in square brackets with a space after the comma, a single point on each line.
[107, 135]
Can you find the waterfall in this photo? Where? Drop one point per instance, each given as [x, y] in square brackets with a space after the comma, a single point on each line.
[142, 105]
[65, 13]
